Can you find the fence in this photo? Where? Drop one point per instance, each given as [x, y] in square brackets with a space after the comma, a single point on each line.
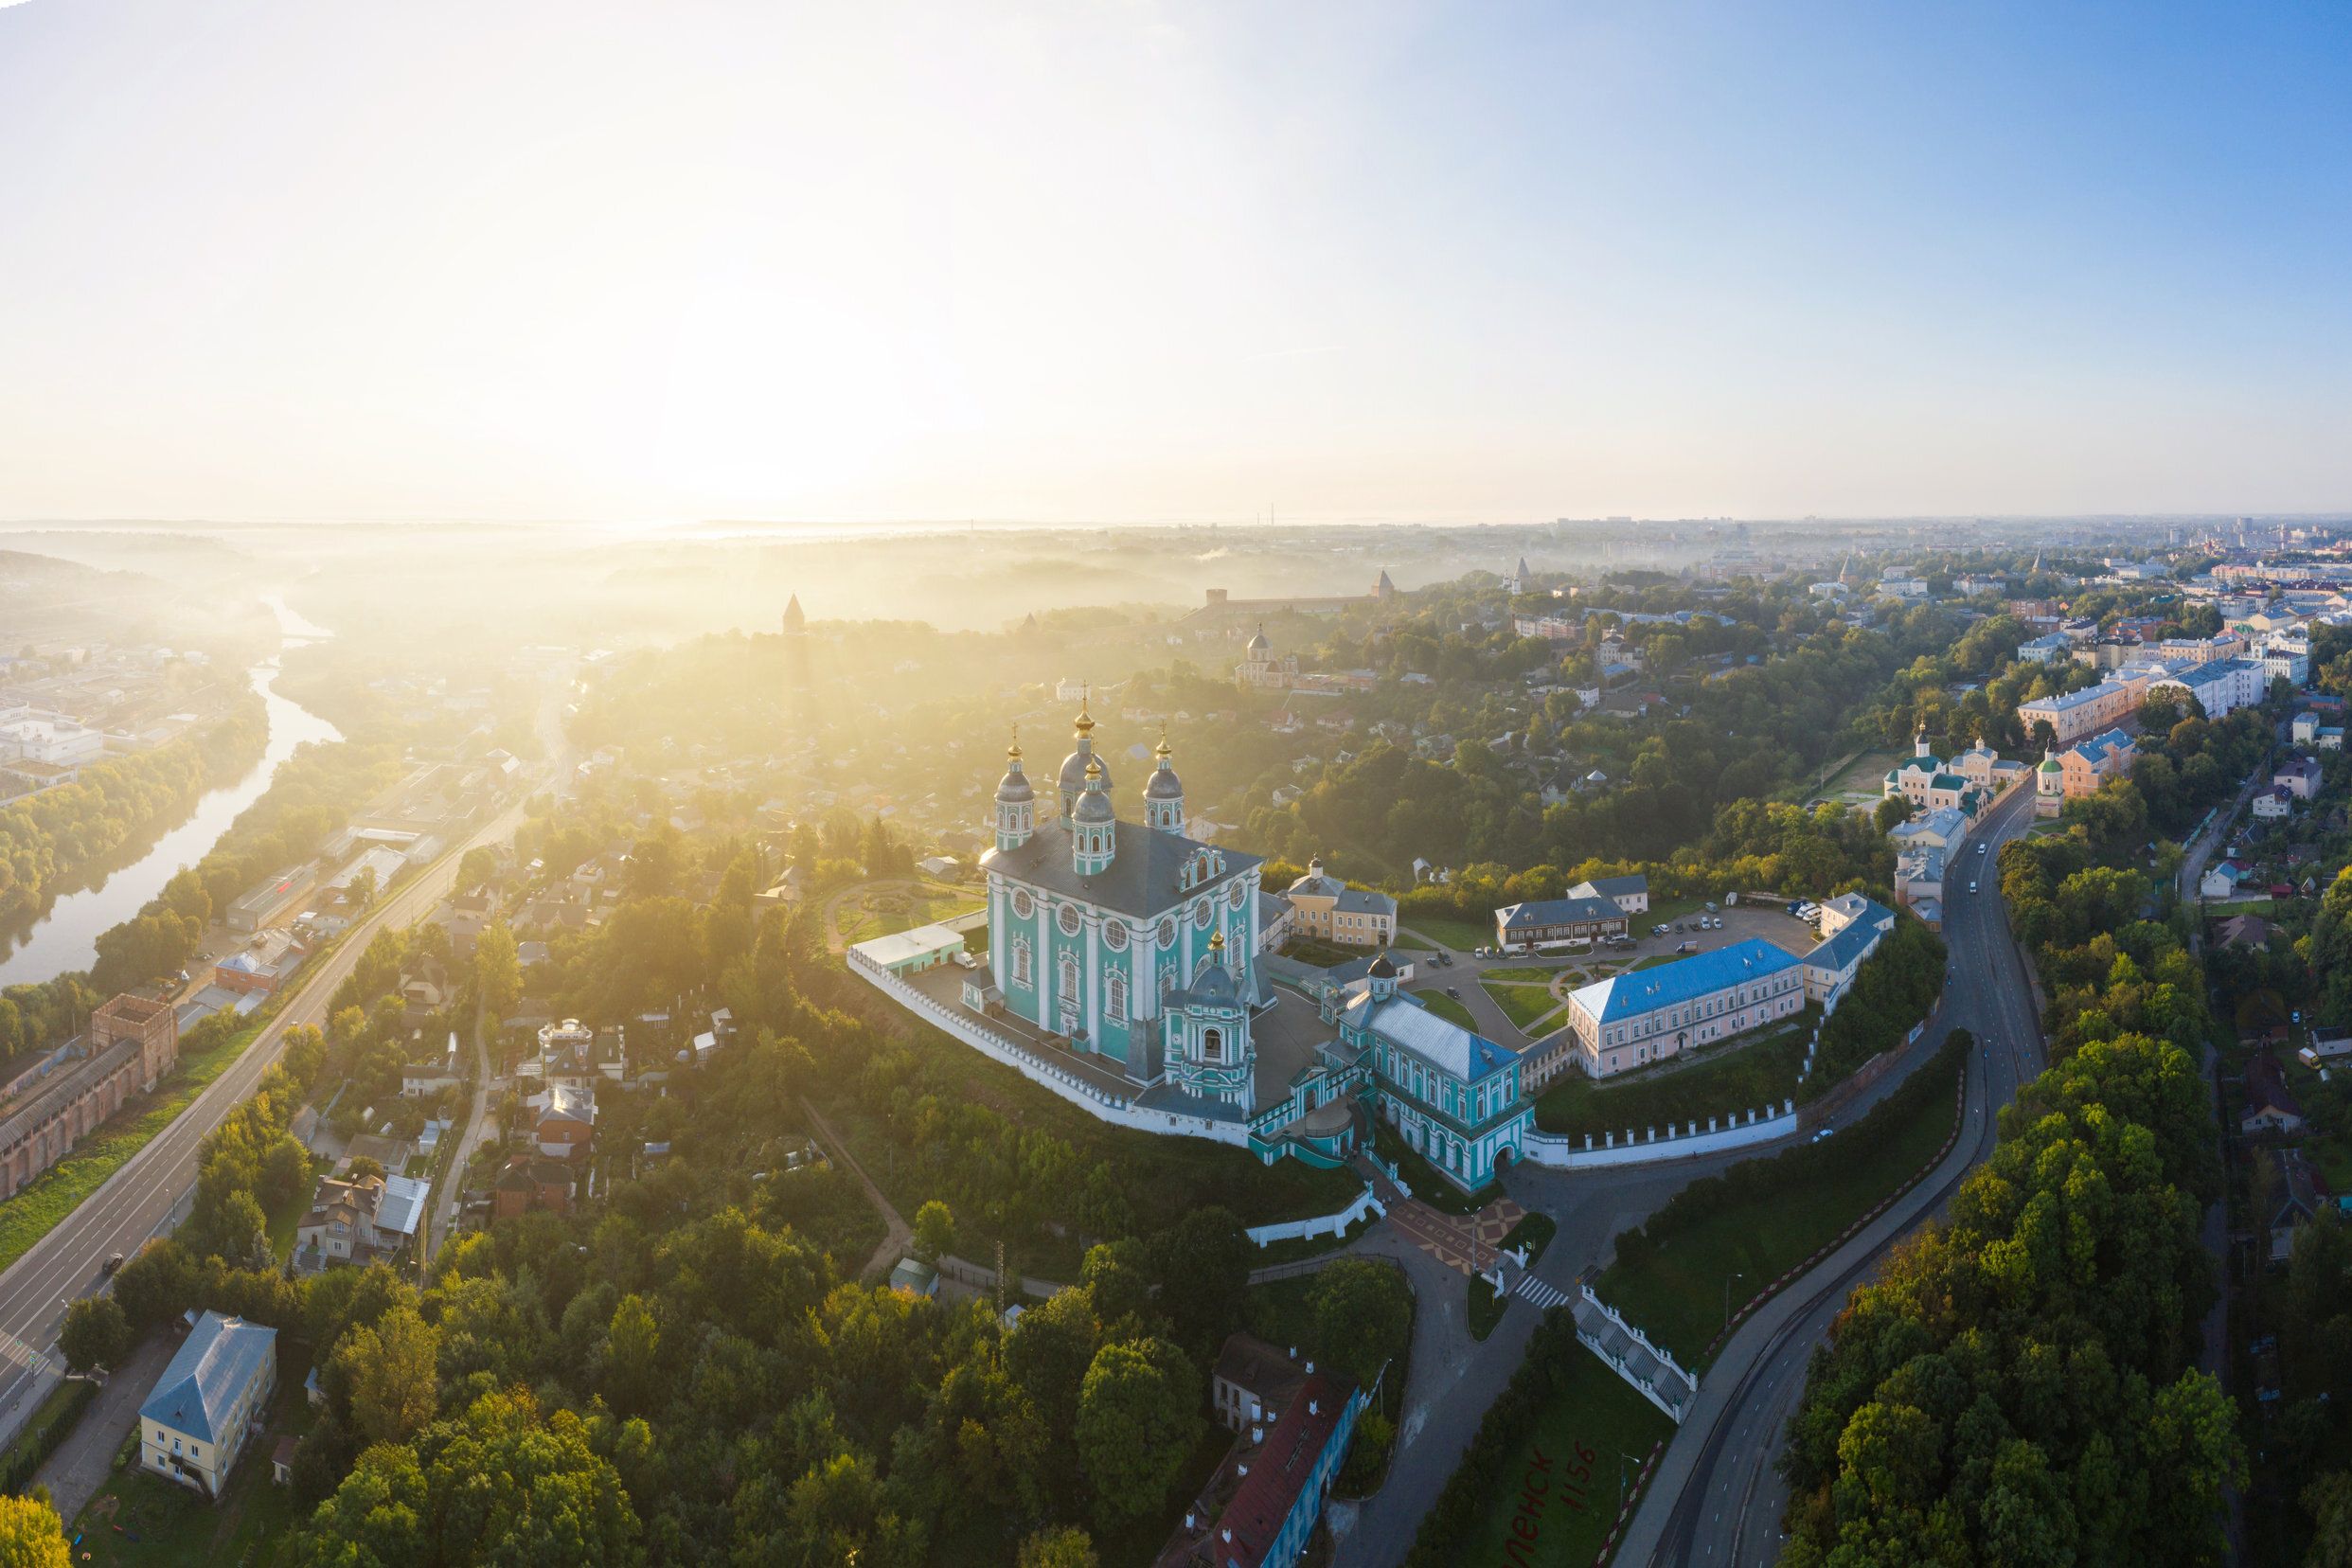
[1118, 1108]
[1681, 1140]
[1665, 1358]
[1332, 1224]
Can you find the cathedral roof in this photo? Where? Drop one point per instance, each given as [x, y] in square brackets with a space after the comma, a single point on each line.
[1258, 644]
[1163, 785]
[1141, 883]
[1214, 989]
[1014, 787]
[1094, 805]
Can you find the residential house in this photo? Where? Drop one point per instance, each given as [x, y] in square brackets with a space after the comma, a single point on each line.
[2242, 930]
[2088, 764]
[1254, 1384]
[2274, 803]
[1943, 830]
[2301, 777]
[1631, 894]
[564, 1120]
[916, 1277]
[2056, 645]
[2293, 1203]
[212, 1399]
[1274, 1513]
[2219, 881]
[2328, 1045]
[1328, 910]
[1853, 927]
[2268, 1106]
[528, 1184]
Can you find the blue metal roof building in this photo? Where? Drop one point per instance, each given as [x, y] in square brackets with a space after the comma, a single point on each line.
[1633, 1020]
[194, 1425]
[1701, 974]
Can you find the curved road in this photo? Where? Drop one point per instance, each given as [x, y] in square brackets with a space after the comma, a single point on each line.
[1728, 1509]
[138, 1201]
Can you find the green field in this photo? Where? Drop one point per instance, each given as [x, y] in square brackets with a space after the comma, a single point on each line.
[50, 1197]
[1739, 1079]
[1436, 1001]
[1677, 1297]
[1525, 976]
[1457, 934]
[1407, 940]
[1865, 775]
[1594, 1419]
[862, 916]
[1525, 1005]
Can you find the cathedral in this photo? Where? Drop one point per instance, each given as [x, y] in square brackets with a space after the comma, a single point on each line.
[1127, 939]
[1131, 944]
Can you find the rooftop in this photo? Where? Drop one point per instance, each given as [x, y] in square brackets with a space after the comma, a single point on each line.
[1701, 974]
[212, 1366]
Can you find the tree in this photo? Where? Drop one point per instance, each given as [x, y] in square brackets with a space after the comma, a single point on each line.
[479, 864]
[1892, 813]
[156, 1283]
[1204, 1270]
[363, 1166]
[497, 972]
[97, 1333]
[31, 1535]
[1118, 1274]
[393, 1374]
[1363, 1312]
[934, 1231]
[1050, 1352]
[1137, 1425]
[1059, 1546]
[630, 1372]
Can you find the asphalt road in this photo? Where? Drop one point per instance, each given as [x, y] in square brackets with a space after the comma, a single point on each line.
[1729, 1509]
[136, 1202]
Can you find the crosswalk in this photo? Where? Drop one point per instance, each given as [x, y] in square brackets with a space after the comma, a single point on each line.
[1529, 1289]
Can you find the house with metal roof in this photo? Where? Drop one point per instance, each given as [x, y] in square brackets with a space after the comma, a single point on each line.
[1631, 894]
[1523, 925]
[1829, 969]
[1631, 1020]
[1455, 1097]
[208, 1402]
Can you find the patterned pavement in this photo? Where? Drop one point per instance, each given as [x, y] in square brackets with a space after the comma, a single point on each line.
[1447, 1237]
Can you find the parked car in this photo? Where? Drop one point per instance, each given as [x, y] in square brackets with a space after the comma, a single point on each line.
[1710, 906]
[1455, 994]
[1657, 931]
[1687, 947]
[967, 961]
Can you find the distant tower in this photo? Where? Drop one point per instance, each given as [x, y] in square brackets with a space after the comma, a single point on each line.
[1384, 589]
[1015, 801]
[1093, 826]
[795, 624]
[1163, 793]
[1073, 766]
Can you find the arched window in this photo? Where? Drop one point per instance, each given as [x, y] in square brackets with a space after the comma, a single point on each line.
[1115, 997]
[1020, 961]
[1212, 1046]
[1069, 972]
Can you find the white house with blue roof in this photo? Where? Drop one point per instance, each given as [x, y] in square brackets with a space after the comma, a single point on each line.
[1634, 1019]
[1855, 927]
[208, 1402]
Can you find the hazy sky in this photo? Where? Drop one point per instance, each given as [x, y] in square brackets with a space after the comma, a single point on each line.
[1137, 260]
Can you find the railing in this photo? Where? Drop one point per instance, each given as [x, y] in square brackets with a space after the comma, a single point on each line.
[1332, 1224]
[1087, 1096]
[1666, 1358]
[1681, 1140]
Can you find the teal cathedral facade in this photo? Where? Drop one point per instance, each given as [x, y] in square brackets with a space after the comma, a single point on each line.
[1131, 944]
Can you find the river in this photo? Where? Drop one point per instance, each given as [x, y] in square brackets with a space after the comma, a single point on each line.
[66, 934]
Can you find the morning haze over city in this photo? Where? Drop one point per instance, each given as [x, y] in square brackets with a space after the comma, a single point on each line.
[1078, 785]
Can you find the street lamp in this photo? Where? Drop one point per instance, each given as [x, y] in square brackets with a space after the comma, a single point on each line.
[1727, 1285]
[1622, 1458]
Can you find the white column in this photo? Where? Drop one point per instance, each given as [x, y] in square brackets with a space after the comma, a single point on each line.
[999, 965]
[1043, 966]
[1142, 994]
[1090, 982]
[1183, 942]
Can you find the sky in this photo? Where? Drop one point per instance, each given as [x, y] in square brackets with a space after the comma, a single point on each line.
[1124, 260]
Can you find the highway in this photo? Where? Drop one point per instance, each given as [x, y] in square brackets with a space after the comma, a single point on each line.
[136, 1202]
[1729, 1509]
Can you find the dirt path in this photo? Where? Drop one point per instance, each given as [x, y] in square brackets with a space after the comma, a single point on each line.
[79, 1469]
[902, 1235]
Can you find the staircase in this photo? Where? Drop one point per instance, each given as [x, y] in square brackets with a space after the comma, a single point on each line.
[1653, 1371]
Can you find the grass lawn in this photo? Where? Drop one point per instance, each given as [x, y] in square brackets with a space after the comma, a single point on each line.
[1738, 1079]
[1323, 955]
[1525, 1005]
[1436, 1001]
[1311, 1246]
[1523, 977]
[1407, 940]
[1593, 1422]
[288, 1215]
[1428, 1183]
[34, 1212]
[1485, 1308]
[1665, 912]
[1458, 935]
[1535, 1233]
[63, 1407]
[1677, 1297]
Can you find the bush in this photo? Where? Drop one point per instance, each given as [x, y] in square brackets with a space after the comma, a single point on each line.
[1894, 990]
[32, 1449]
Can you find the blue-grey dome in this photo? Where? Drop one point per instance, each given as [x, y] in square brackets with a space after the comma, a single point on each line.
[1093, 806]
[1014, 787]
[1163, 785]
[1074, 769]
